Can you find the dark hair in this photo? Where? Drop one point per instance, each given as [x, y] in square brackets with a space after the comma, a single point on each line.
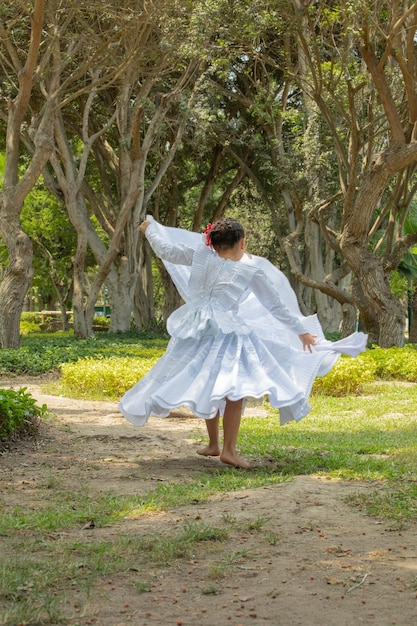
[226, 232]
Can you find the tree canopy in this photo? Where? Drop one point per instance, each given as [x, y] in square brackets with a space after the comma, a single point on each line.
[298, 117]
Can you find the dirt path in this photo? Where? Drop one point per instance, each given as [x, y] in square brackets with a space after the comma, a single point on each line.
[314, 562]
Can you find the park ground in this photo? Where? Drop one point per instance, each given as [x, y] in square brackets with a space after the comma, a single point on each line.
[298, 553]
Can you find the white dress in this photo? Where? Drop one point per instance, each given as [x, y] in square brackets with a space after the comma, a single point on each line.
[233, 338]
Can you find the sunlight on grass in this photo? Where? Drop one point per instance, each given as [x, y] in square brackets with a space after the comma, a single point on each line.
[358, 438]
[372, 437]
[368, 437]
[59, 542]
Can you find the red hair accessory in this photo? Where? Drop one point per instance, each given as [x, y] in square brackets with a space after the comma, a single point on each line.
[207, 234]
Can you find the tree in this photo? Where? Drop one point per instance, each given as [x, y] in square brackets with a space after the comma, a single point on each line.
[252, 114]
[19, 62]
[115, 143]
[358, 67]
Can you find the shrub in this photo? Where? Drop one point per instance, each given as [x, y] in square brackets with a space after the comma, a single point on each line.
[103, 378]
[110, 363]
[41, 353]
[19, 413]
[31, 316]
[348, 376]
[395, 363]
[30, 323]
[101, 322]
[29, 327]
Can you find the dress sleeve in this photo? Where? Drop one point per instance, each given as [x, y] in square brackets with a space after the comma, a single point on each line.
[177, 253]
[270, 298]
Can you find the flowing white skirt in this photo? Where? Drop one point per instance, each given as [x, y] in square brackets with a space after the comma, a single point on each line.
[201, 375]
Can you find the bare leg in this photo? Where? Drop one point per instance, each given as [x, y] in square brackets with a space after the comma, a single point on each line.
[231, 424]
[213, 447]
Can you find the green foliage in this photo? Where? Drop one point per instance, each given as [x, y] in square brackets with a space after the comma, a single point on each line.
[350, 375]
[41, 353]
[395, 363]
[347, 377]
[19, 413]
[104, 367]
[104, 378]
[111, 377]
[45, 220]
[30, 323]
[399, 284]
[101, 321]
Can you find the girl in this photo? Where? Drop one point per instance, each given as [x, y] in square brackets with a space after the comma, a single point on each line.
[218, 357]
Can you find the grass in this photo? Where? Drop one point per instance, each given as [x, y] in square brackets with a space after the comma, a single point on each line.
[221, 568]
[34, 579]
[369, 437]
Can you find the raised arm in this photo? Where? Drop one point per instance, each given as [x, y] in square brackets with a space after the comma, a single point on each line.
[174, 253]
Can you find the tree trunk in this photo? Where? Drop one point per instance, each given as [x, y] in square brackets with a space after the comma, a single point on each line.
[64, 315]
[172, 298]
[121, 312]
[383, 315]
[143, 312]
[70, 180]
[376, 300]
[16, 281]
[81, 328]
[329, 311]
[119, 285]
[61, 293]
[349, 319]
[412, 331]
[392, 326]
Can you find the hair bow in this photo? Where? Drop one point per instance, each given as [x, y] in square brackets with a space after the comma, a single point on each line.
[207, 234]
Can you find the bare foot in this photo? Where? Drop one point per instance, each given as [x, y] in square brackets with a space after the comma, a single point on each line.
[236, 461]
[209, 451]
